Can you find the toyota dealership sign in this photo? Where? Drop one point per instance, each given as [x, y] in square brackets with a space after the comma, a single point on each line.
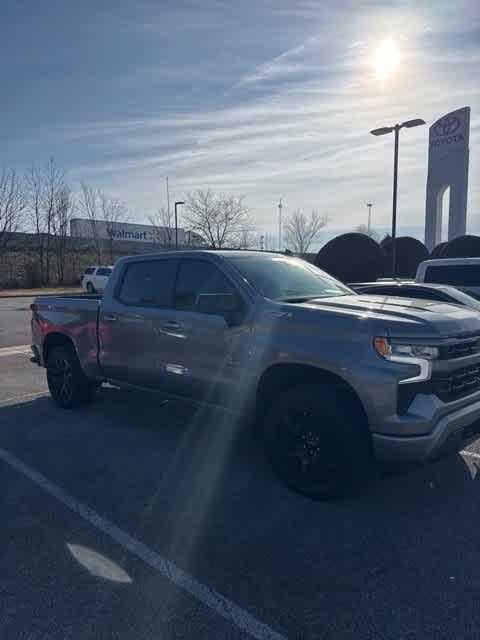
[448, 157]
[451, 131]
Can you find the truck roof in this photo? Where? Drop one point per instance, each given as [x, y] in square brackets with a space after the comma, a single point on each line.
[215, 252]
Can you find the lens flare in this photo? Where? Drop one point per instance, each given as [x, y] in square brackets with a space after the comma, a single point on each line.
[386, 59]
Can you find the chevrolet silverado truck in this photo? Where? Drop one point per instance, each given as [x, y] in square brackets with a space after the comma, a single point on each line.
[338, 381]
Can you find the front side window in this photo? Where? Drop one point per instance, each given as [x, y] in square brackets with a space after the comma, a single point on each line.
[196, 277]
[287, 279]
[89, 271]
[149, 283]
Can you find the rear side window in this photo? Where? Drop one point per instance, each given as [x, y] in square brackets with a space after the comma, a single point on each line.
[460, 275]
[196, 277]
[149, 283]
[103, 271]
[89, 271]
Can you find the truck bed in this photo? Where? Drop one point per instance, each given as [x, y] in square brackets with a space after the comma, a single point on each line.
[72, 316]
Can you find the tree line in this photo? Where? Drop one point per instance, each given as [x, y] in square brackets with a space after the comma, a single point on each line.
[41, 201]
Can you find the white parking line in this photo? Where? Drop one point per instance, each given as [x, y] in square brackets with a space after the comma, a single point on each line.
[470, 454]
[209, 597]
[15, 350]
[23, 396]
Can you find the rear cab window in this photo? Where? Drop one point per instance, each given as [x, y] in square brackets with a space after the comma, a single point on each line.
[148, 283]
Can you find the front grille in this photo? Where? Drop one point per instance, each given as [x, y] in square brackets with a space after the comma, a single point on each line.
[460, 349]
[457, 384]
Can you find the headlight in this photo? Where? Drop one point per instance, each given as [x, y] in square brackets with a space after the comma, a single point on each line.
[421, 355]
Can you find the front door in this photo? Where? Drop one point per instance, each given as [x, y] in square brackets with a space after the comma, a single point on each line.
[214, 349]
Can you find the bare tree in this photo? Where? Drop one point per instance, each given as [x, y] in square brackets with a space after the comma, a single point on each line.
[89, 206]
[362, 228]
[53, 185]
[64, 207]
[220, 219]
[44, 189]
[12, 204]
[113, 212]
[300, 231]
[34, 185]
[163, 226]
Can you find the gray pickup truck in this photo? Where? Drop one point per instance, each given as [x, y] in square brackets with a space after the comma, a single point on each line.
[337, 380]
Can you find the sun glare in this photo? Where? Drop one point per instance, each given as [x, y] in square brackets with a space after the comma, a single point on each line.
[386, 59]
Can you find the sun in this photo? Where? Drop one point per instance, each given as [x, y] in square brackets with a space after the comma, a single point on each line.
[386, 58]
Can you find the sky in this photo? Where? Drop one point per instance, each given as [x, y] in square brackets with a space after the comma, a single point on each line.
[268, 99]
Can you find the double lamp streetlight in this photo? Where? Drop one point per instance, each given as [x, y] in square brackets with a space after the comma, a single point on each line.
[409, 124]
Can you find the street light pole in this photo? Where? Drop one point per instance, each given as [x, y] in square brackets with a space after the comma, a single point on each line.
[369, 221]
[176, 222]
[280, 206]
[381, 132]
[394, 205]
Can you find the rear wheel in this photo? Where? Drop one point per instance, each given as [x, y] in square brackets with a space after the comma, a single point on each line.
[90, 288]
[316, 441]
[68, 385]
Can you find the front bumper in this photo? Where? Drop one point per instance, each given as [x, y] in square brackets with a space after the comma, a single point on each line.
[448, 434]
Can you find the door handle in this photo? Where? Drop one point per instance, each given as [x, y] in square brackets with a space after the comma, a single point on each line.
[109, 317]
[171, 324]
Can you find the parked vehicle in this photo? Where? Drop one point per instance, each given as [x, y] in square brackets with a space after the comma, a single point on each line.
[95, 278]
[337, 380]
[463, 273]
[426, 291]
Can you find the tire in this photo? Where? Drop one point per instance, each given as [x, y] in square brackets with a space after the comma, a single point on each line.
[90, 288]
[317, 442]
[68, 385]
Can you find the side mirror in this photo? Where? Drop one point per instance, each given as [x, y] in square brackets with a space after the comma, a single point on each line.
[217, 304]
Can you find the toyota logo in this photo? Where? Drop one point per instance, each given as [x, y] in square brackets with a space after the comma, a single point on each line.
[446, 126]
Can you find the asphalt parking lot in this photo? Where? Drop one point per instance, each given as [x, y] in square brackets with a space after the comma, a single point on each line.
[139, 518]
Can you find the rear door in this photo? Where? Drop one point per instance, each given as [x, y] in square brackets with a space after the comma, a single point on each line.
[214, 349]
[134, 325]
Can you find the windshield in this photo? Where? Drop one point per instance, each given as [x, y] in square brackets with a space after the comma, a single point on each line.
[287, 279]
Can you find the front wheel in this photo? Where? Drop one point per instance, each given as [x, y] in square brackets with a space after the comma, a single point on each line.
[68, 385]
[90, 288]
[317, 442]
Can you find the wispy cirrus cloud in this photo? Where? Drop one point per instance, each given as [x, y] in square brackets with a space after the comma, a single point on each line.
[282, 108]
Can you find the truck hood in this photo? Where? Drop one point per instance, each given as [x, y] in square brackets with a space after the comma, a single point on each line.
[400, 317]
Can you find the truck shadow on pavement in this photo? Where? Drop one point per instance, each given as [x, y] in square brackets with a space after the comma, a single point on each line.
[194, 482]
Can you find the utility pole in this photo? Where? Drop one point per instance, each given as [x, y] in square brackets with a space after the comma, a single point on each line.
[262, 243]
[280, 207]
[168, 203]
[369, 224]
